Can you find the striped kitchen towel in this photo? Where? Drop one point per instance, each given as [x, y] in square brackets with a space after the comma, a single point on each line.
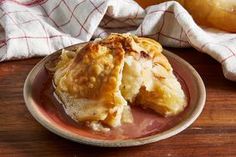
[39, 27]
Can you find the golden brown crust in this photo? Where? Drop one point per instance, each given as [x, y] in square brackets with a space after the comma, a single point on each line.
[154, 49]
[94, 71]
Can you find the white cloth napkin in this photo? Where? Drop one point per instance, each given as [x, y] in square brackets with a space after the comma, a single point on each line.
[39, 27]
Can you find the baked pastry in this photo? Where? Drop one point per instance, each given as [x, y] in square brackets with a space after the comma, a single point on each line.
[219, 14]
[98, 82]
[89, 84]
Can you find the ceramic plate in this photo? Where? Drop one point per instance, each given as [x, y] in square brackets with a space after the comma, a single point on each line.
[148, 126]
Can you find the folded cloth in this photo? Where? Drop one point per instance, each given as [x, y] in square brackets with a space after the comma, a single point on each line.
[39, 27]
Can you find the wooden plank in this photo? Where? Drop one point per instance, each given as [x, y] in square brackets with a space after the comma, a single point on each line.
[213, 134]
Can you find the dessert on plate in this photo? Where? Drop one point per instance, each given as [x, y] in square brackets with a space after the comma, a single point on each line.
[101, 80]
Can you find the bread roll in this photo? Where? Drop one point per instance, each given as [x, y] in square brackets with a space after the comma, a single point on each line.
[220, 14]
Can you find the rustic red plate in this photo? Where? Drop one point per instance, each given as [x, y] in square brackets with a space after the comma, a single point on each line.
[147, 127]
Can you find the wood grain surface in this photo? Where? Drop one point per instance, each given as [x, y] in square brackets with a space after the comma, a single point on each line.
[213, 134]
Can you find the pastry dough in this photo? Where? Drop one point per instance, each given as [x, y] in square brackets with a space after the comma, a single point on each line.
[161, 90]
[98, 81]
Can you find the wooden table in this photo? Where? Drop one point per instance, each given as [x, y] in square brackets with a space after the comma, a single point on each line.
[213, 134]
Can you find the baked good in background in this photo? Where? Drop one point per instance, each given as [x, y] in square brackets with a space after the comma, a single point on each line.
[220, 14]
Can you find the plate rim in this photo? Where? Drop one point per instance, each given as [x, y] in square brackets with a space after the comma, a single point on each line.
[53, 127]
